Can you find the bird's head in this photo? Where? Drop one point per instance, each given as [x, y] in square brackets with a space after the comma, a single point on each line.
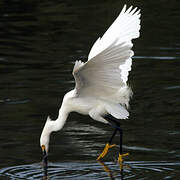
[49, 127]
[44, 141]
[45, 136]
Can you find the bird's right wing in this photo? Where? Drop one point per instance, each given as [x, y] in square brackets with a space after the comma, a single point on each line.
[106, 71]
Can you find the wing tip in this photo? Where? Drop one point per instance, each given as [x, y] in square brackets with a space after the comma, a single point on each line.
[131, 10]
[123, 9]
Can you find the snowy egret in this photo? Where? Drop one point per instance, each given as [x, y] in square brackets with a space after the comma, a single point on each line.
[101, 82]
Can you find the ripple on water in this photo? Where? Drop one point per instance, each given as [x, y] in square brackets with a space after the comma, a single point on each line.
[172, 87]
[14, 101]
[78, 171]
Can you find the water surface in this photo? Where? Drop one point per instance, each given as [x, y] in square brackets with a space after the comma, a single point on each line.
[39, 42]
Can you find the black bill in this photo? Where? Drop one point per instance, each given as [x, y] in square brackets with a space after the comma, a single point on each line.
[45, 163]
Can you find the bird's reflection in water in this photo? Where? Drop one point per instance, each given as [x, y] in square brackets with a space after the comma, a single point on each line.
[109, 172]
[45, 178]
[45, 172]
[105, 167]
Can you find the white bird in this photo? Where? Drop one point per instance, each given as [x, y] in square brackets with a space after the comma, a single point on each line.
[101, 82]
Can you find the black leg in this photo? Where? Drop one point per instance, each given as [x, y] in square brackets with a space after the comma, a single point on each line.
[45, 164]
[114, 133]
[121, 138]
[116, 125]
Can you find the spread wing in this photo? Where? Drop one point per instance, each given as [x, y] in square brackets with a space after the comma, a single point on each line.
[109, 60]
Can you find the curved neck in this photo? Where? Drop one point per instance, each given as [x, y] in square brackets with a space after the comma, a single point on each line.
[51, 125]
[62, 117]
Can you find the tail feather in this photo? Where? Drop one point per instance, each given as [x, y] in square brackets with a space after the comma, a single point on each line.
[117, 111]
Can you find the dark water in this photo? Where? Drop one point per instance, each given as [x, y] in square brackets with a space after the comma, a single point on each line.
[39, 42]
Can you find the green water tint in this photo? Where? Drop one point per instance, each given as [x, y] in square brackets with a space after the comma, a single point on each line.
[39, 42]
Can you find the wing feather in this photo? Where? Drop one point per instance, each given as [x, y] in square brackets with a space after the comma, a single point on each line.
[105, 74]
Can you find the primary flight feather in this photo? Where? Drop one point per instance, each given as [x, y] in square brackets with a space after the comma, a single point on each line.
[101, 82]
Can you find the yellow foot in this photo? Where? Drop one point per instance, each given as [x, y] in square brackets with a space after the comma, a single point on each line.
[120, 159]
[105, 151]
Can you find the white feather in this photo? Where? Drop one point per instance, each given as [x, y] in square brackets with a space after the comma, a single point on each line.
[106, 72]
[101, 82]
[117, 111]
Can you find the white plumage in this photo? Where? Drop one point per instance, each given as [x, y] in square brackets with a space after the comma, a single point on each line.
[101, 82]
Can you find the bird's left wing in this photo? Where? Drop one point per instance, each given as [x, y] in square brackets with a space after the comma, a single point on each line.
[106, 71]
